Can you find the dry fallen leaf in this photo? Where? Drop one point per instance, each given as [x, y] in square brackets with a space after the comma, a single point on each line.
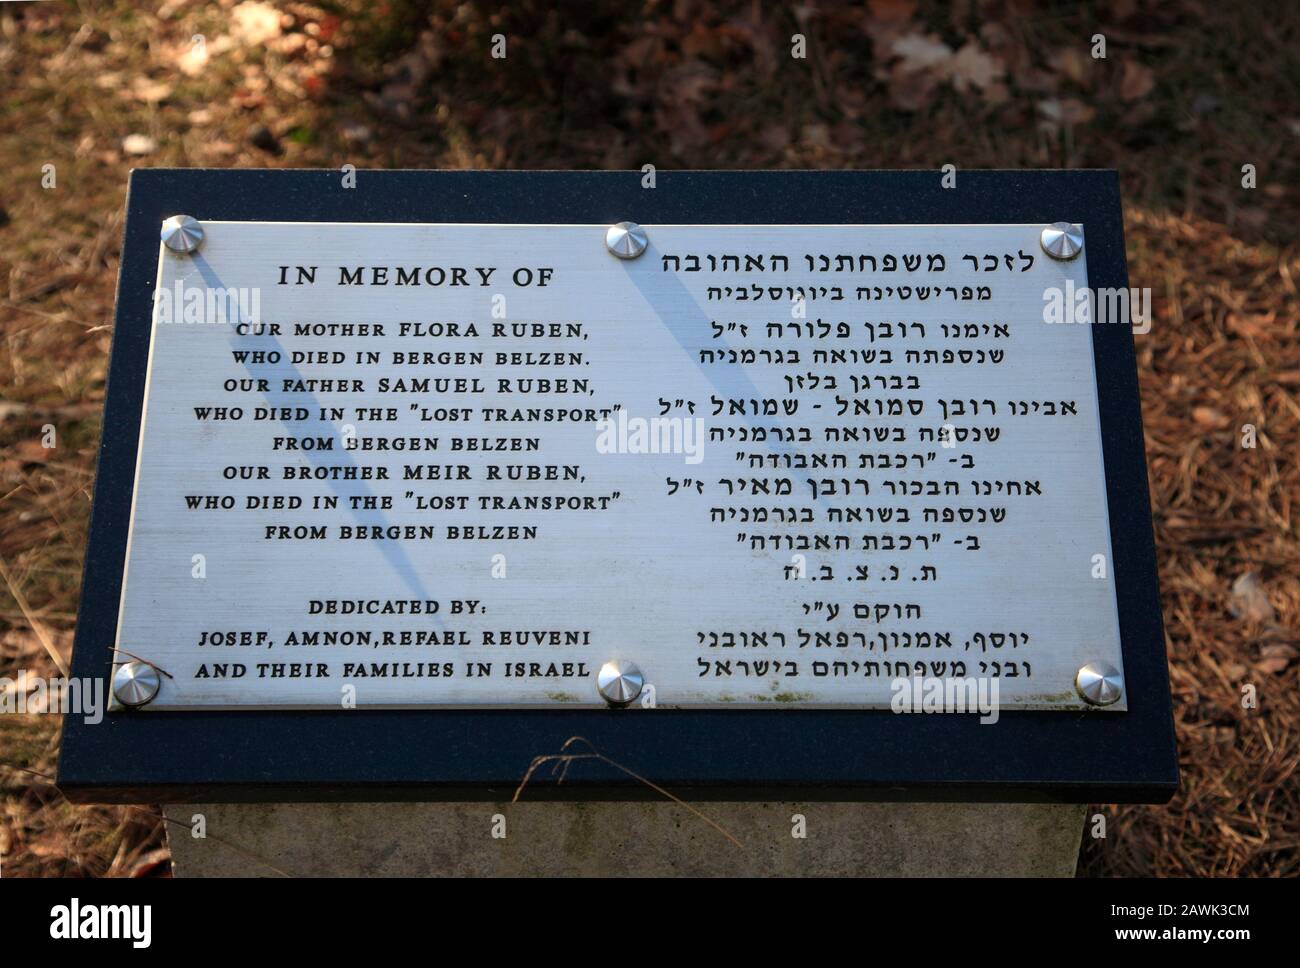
[32, 451]
[974, 67]
[892, 11]
[150, 91]
[921, 52]
[193, 59]
[911, 90]
[138, 144]
[1275, 658]
[1137, 81]
[1073, 64]
[253, 24]
[1068, 110]
[1249, 600]
[1209, 417]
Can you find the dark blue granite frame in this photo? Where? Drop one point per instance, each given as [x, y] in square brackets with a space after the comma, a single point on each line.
[701, 754]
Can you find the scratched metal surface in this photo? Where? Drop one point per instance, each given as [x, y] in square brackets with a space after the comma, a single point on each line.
[653, 577]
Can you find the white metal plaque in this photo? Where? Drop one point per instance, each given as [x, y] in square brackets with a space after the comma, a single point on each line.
[780, 466]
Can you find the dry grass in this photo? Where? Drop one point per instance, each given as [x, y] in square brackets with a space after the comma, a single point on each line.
[1189, 92]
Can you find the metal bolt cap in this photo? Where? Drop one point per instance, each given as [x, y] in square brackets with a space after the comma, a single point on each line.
[619, 682]
[1062, 240]
[182, 233]
[627, 240]
[136, 683]
[1099, 683]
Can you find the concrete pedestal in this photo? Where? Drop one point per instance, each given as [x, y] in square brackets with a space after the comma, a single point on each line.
[614, 839]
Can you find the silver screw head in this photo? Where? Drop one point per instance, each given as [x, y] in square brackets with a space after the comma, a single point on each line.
[182, 233]
[136, 683]
[627, 240]
[1062, 240]
[619, 682]
[1099, 684]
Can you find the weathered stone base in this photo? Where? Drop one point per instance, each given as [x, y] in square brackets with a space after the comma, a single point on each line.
[612, 839]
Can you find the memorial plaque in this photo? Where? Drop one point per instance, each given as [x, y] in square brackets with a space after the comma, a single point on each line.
[464, 462]
[469, 464]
